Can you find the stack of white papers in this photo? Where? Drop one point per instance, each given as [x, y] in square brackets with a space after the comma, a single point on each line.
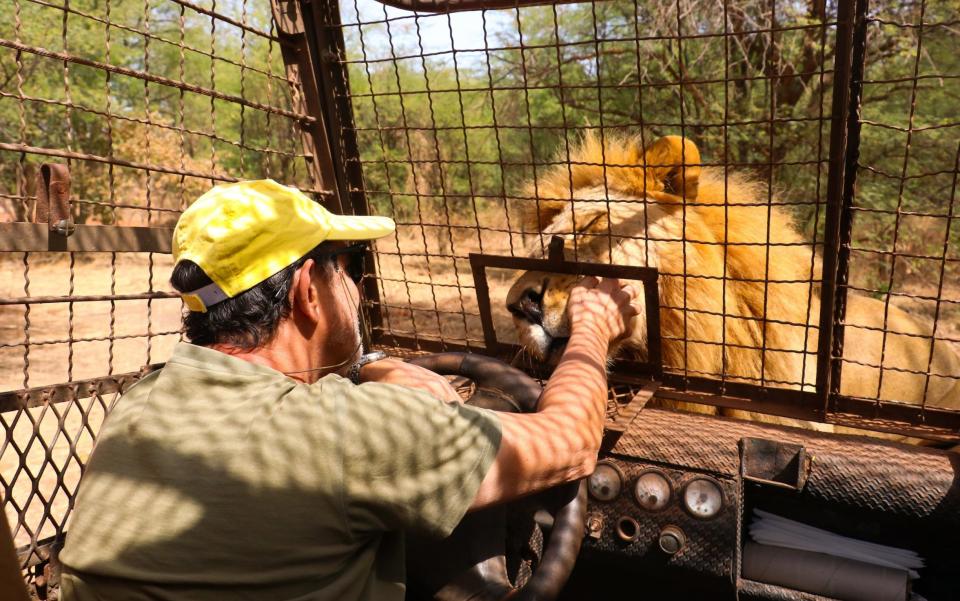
[770, 529]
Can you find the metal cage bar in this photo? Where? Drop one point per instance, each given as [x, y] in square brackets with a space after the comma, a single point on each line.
[195, 95]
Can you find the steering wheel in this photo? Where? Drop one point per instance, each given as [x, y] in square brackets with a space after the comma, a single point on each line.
[472, 563]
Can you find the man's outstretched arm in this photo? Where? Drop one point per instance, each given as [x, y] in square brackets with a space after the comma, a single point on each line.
[560, 442]
[395, 371]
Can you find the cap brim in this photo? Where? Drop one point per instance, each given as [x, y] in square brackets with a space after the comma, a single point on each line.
[356, 227]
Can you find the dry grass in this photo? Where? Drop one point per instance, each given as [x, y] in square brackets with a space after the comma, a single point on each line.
[429, 293]
[132, 320]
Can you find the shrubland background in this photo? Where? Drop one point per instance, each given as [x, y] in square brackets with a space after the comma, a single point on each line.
[455, 114]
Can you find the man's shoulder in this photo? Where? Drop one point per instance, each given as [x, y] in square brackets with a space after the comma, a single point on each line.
[396, 406]
[136, 392]
[145, 382]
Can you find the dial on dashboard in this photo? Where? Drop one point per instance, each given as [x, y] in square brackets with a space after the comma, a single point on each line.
[702, 498]
[652, 490]
[605, 483]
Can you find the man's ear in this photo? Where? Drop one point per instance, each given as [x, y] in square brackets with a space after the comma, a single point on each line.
[304, 298]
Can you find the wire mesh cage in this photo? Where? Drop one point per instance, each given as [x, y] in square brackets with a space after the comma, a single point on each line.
[488, 131]
[900, 241]
[148, 105]
[803, 232]
[460, 136]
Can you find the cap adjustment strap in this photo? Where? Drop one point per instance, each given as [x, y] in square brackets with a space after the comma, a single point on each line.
[201, 299]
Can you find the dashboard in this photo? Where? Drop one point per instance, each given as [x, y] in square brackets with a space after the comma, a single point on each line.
[674, 494]
[685, 519]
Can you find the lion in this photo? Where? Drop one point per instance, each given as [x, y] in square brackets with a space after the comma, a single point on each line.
[700, 228]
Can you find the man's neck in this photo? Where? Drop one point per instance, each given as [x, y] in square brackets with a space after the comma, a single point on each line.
[286, 352]
[267, 357]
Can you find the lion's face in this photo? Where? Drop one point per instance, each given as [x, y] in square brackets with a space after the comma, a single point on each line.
[621, 225]
[538, 301]
[737, 282]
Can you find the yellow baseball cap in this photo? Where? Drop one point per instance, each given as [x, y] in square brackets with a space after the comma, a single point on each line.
[241, 234]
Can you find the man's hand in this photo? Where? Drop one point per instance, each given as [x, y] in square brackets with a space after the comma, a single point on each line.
[560, 441]
[394, 371]
[602, 307]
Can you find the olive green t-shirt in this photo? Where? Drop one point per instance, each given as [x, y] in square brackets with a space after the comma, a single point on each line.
[215, 478]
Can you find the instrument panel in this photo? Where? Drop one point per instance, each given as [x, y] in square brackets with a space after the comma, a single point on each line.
[667, 516]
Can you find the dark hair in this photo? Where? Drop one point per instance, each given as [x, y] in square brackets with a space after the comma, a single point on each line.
[249, 319]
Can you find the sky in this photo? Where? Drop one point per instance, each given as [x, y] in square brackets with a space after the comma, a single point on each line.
[435, 30]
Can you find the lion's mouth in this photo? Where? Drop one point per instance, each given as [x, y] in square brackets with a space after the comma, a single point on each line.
[555, 349]
[540, 342]
[557, 345]
[528, 318]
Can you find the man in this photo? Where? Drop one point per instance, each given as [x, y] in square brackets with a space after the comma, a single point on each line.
[249, 467]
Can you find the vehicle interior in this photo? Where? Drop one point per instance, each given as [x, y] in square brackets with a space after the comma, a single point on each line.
[780, 179]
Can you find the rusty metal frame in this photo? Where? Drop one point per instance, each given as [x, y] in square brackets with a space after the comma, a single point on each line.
[53, 198]
[314, 51]
[850, 56]
[52, 228]
[59, 393]
[36, 237]
[42, 556]
[895, 418]
[300, 66]
[445, 6]
[557, 263]
[890, 417]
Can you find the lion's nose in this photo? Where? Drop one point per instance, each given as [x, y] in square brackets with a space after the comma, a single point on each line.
[529, 306]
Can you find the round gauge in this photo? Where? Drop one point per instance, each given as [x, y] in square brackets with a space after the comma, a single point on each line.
[605, 482]
[652, 491]
[703, 498]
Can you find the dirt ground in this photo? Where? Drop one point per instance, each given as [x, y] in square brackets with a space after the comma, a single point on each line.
[51, 362]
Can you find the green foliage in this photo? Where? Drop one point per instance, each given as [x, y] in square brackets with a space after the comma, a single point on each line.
[450, 135]
[753, 89]
[751, 101]
[909, 150]
[152, 124]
